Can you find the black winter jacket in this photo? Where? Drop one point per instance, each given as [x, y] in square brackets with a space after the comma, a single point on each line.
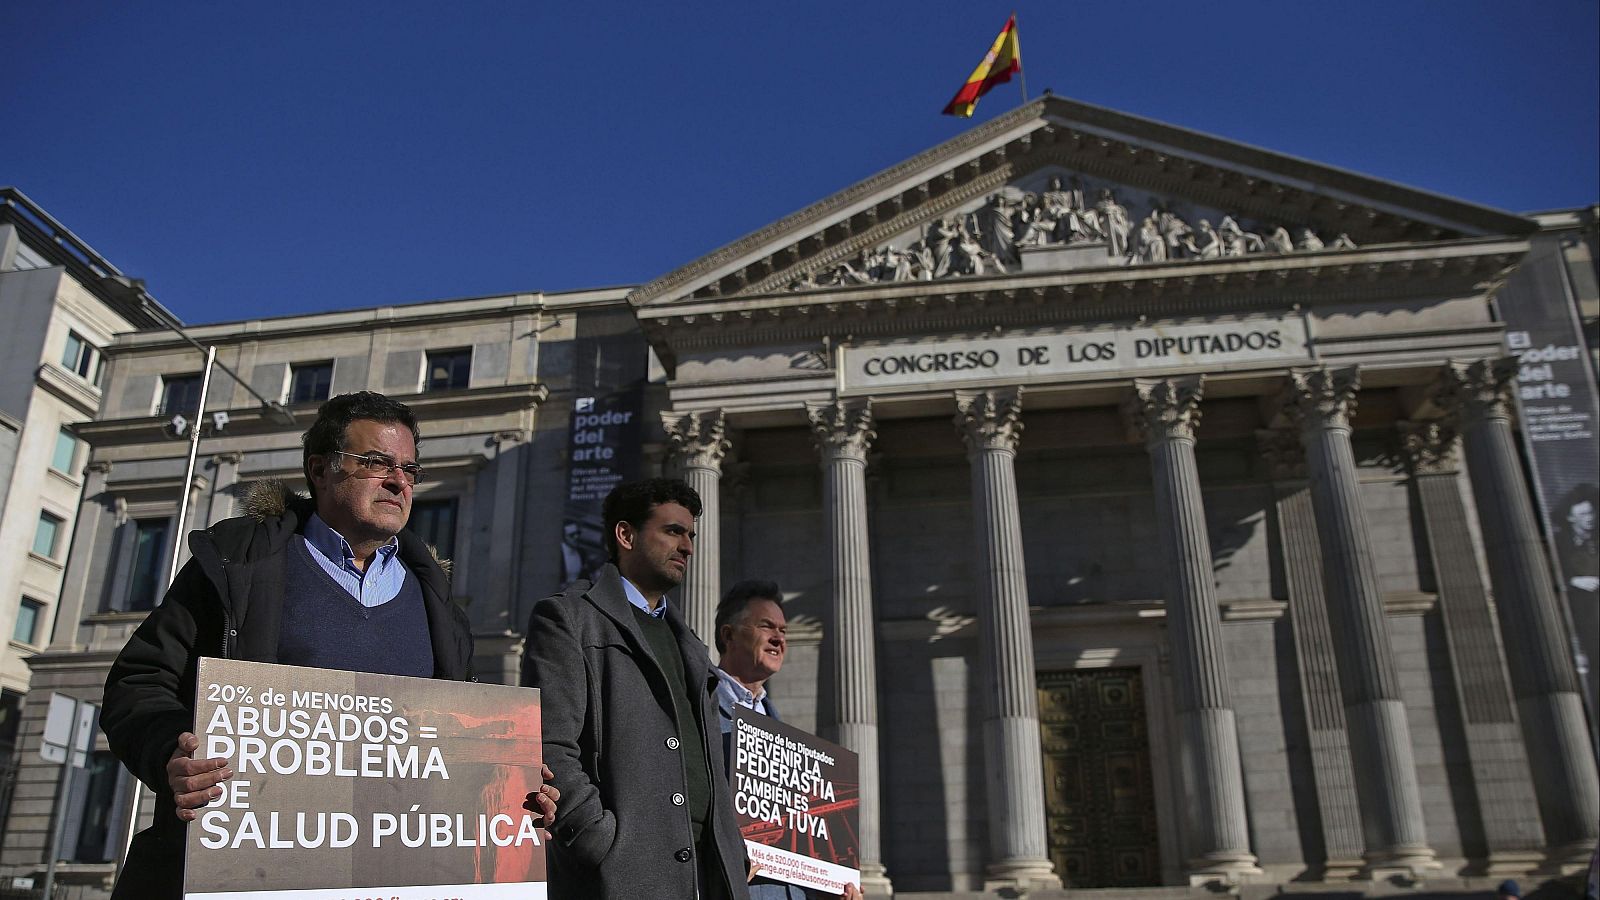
[227, 602]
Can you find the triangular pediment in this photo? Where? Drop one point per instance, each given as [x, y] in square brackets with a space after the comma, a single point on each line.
[1062, 185]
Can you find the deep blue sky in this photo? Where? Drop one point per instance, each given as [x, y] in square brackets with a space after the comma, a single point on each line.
[270, 158]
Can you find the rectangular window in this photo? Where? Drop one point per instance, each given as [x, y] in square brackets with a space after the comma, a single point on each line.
[149, 552]
[310, 382]
[28, 614]
[448, 369]
[95, 809]
[47, 535]
[82, 357]
[180, 395]
[65, 458]
[435, 522]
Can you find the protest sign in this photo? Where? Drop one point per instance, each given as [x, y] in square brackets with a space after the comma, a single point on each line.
[798, 799]
[352, 785]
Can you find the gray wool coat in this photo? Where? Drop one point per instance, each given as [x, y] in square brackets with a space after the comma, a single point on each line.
[610, 741]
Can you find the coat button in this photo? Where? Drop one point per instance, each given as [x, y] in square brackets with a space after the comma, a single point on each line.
[683, 855]
[672, 743]
[677, 799]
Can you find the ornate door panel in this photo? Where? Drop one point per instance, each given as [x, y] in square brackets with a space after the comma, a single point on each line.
[1099, 799]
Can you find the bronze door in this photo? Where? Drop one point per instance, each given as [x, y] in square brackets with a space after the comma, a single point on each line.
[1099, 800]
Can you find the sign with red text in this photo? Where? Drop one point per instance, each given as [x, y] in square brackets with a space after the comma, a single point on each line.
[798, 800]
[348, 784]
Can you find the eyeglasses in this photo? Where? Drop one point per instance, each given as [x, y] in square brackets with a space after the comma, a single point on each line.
[374, 466]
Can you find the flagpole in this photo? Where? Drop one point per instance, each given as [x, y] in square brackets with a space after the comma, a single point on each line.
[1016, 40]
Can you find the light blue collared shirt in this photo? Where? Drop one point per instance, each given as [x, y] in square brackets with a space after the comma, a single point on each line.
[731, 692]
[637, 599]
[383, 578]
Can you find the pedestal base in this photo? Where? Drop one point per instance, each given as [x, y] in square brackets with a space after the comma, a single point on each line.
[1511, 863]
[1025, 874]
[1567, 859]
[1403, 863]
[1223, 869]
[875, 881]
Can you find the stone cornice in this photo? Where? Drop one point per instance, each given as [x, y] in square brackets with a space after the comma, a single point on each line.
[1183, 288]
[1054, 131]
[252, 420]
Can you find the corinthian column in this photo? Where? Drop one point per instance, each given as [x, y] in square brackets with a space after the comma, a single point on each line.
[1478, 397]
[1500, 776]
[1322, 401]
[699, 442]
[991, 422]
[1165, 412]
[843, 432]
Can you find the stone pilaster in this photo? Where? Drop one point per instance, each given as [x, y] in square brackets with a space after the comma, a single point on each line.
[1165, 412]
[991, 423]
[844, 433]
[1338, 813]
[699, 442]
[224, 480]
[1322, 401]
[1500, 775]
[86, 529]
[1477, 398]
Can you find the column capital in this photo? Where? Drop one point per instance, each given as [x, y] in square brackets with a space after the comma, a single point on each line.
[1470, 392]
[1322, 397]
[990, 419]
[229, 458]
[842, 428]
[699, 439]
[98, 467]
[1165, 409]
[1283, 453]
[1429, 448]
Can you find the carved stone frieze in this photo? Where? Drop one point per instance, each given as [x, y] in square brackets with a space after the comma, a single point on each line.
[1429, 448]
[1322, 397]
[1471, 391]
[1165, 409]
[842, 427]
[990, 419]
[994, 238]
[698, 439]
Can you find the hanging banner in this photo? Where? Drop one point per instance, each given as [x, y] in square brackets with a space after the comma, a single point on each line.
[798, 801]
[1557, 402]
[348, 784]
[602, 452]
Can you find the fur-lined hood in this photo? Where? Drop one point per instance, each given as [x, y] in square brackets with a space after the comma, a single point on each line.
[270, 498]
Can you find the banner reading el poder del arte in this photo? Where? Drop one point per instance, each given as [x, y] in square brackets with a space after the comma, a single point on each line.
[798, 800]
[404, 788]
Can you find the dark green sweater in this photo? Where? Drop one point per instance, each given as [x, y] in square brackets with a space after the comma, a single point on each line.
[691, 740]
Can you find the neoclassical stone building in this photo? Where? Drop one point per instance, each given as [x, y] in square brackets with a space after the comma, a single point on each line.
[1158, 503]
[1148, 505]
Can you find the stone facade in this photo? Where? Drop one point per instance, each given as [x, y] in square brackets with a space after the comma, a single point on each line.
[62, 306]
[1224, 576]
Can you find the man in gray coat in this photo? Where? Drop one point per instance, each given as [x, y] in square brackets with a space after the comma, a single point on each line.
[630, 718]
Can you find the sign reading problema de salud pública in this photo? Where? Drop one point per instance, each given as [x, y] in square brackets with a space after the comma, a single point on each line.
[350, 784]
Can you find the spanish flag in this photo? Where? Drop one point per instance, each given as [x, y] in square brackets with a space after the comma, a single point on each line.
[1003, 59]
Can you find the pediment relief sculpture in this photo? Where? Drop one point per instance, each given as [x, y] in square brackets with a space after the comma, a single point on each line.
[1015, 229]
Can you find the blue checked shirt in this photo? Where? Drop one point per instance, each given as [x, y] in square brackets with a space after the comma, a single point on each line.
[379, 584]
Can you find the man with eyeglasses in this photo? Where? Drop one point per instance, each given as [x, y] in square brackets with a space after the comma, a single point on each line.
[333, 581]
